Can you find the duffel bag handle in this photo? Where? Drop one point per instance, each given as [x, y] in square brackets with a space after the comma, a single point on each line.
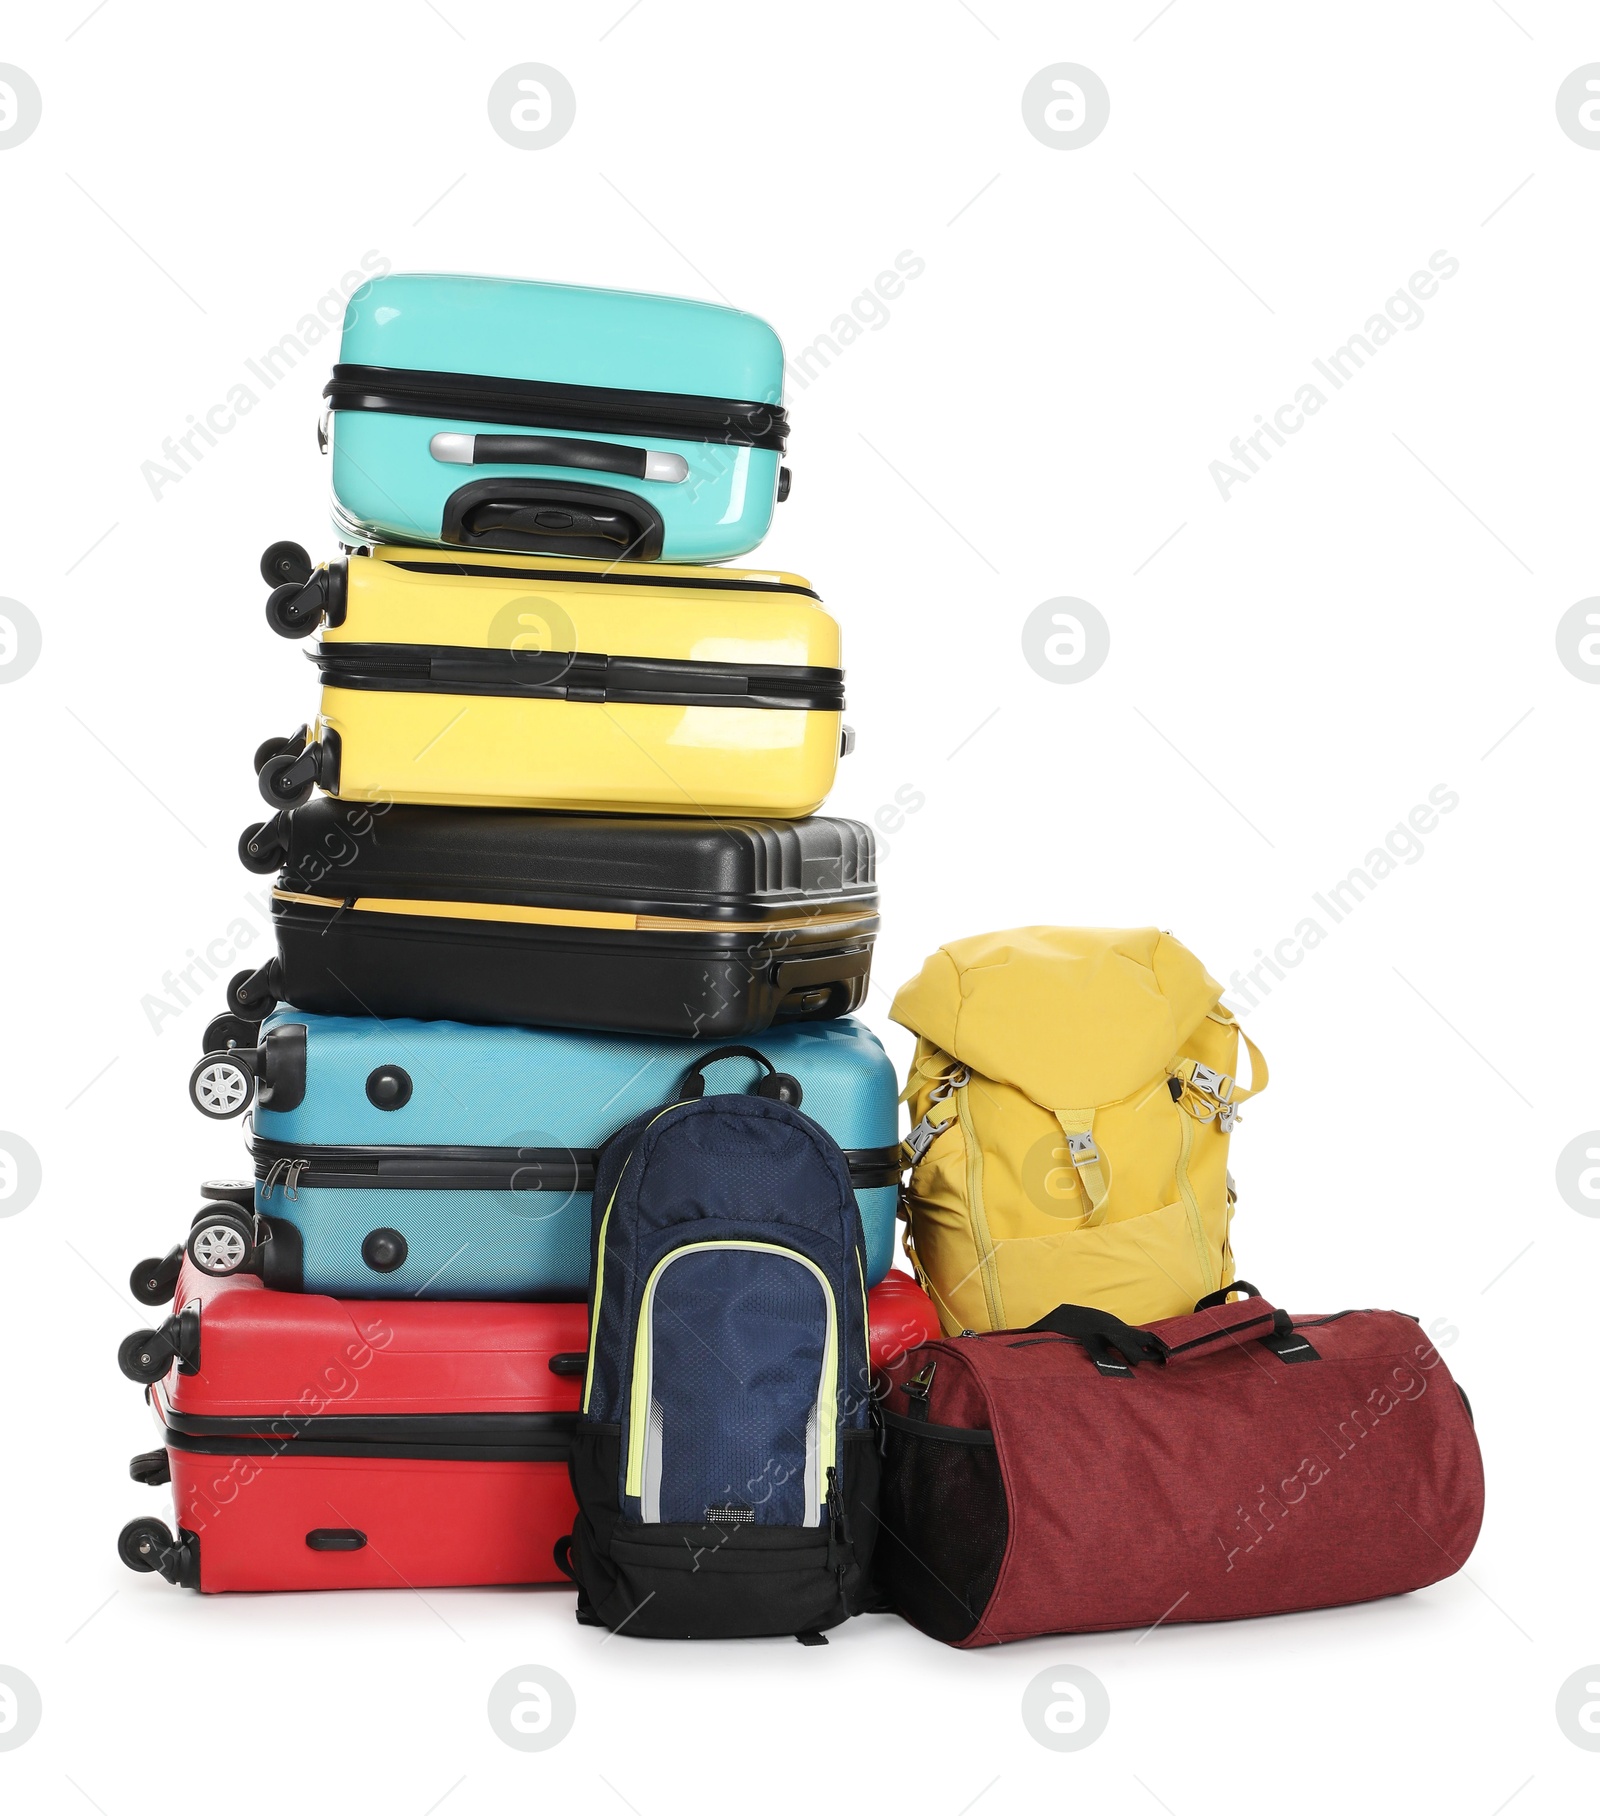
[1114, 1347]
[783, 1087]
[1220, 1296]
[1285, 1342]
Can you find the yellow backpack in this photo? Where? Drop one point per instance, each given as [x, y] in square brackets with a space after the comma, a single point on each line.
[1072, 1097]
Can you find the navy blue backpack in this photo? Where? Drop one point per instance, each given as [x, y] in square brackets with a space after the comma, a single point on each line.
[725, 1467]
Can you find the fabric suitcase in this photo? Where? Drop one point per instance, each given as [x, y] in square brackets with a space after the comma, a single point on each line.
[474, 680]
[317, 1444]
[493, 413]
[1087, 1474]
[652, 926]
[407, 1158]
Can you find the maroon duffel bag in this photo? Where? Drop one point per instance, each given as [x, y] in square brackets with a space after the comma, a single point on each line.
[1087, 1474]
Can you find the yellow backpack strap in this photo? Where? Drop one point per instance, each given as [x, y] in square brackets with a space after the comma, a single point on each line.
[1258, 1070]
[1093, 1170]
[1208, 1093]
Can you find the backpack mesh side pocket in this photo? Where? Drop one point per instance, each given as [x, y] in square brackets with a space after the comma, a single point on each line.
[943, 1525]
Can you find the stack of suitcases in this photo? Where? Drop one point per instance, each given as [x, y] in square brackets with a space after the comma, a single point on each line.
[566, 848]
[567, 1251]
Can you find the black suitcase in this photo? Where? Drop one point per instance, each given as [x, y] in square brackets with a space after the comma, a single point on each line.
[711, 929]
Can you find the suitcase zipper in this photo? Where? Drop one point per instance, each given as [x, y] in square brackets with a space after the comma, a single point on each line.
[441, 1168]
[824, 920]
[535, 403]
[579, 676]
[576, 576]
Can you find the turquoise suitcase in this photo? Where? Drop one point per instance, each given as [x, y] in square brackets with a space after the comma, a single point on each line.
[493, 413]
[401, 1159]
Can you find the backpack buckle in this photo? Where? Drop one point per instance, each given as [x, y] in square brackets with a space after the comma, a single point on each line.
[1227, 1118]
[922, 1137]
[927, 1132]
[1213, 1083]
[1082, 1151]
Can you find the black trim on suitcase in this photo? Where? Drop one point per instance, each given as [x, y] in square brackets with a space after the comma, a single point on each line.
[440, 1168]
[536, 403]
[581, 676]
[357, 1166]
[721, 583]
[533, 1437]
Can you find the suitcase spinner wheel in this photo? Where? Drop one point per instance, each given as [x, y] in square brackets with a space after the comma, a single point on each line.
[226, 1234]
[221, 1242]
[148, 1545]
[285, 562]
[151, 1467]
[222, 1085]
[153, 1281]
[146, 1355]
[251, 998]
[287, 776]
[301, 592]
[263, 847]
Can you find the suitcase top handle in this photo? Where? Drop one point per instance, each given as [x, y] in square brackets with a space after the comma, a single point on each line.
[782, 1087]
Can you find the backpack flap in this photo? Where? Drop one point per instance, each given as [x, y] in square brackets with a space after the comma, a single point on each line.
[1072, 1017]
[1069, 1083]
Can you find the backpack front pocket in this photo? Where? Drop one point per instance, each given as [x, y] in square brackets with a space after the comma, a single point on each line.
[733, 1410]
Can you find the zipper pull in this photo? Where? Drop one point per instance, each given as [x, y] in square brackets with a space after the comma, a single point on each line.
[840, 1519]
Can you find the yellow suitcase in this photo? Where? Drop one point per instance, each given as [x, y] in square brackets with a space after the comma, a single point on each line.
[495, 680]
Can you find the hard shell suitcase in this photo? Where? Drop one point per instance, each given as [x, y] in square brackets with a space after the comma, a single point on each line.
[439, 1433]
[475, 680]
[1086, 1474]
[708, 928]
[399, 1159]
[317, 1444]
[494, 413]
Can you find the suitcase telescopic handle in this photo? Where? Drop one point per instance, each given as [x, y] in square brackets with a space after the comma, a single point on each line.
[558, 451]
[782, 1087]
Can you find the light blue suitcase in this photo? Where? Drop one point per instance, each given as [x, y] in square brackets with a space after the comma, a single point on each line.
[396, 1159]
[492, 413]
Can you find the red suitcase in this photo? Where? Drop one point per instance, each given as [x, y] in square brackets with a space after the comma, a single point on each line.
[317, 1443]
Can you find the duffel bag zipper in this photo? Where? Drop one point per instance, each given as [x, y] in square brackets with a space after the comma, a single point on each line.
[581, 677]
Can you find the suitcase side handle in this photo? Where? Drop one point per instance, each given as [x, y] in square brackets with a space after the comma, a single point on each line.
[559, 451]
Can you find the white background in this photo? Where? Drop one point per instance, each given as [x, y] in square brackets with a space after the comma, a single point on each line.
[1370, 616]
